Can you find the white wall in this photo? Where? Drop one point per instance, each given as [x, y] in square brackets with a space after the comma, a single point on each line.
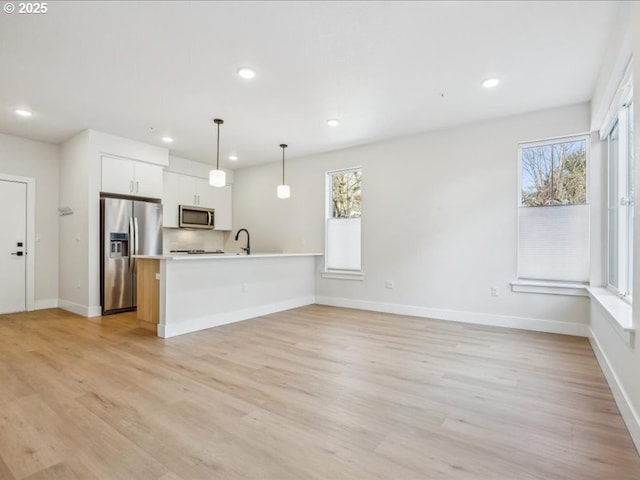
[618, 353]
[74, 229]
[619, 358]
[439, 219]
[28, 158]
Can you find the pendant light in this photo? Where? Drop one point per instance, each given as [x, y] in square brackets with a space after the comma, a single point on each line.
[283, 190]
[217, 177]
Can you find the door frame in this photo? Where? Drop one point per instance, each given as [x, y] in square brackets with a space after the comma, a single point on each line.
[30, 240]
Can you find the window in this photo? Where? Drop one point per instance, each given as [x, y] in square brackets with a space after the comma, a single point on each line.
[553, 214]
[343, 213]
[554, 174]
[620, 200]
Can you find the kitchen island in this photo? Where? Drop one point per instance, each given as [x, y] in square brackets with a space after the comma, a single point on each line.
[184, 293]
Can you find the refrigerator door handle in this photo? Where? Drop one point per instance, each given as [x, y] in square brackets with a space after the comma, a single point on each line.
[136, 249]
[132, 240]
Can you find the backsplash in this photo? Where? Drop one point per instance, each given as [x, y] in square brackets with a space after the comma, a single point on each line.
[181, 239]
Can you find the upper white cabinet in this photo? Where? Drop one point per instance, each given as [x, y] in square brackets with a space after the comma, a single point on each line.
[129, 177]
[179, 189]
[221, 201]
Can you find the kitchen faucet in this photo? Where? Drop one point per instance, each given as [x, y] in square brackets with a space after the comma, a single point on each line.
[248, 247]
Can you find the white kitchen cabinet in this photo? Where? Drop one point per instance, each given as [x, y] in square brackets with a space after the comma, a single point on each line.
[182, 189]
[148, 180]
[218, 198]
[177, 190]
[128, 177]
[204, 192]
[222, 204]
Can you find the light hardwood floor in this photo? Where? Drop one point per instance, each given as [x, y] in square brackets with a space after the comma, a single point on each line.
[311, 393]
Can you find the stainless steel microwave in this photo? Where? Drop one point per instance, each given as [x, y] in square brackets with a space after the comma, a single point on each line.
[196, 217]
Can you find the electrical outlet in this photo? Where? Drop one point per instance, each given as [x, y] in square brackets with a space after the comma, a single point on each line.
[495, 291]
[389, 284]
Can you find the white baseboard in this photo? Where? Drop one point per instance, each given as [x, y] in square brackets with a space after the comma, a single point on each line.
[172, 330]
[629, 415]
[84, 310]
[522, 323]
[46, 303]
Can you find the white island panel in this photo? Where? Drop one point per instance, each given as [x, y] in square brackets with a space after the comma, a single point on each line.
[201, 293]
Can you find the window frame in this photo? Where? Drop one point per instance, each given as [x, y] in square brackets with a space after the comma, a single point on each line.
[622, 121]
[558, 287]
[336, 273]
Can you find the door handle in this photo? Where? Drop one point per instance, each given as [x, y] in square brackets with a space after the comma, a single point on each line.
[19, 254]
[131, 244]
[135, 238]
[135, 244]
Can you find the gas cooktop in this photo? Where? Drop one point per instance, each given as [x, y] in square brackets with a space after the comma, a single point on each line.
[195, 252]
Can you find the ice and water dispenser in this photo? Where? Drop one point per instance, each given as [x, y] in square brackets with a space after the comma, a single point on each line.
[119, 243]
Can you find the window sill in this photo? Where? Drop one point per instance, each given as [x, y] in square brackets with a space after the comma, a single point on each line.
[342, 275]
[618, 311]
[550, 288]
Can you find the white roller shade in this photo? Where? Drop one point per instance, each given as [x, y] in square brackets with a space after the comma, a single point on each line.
[343, 243]
[553, 243]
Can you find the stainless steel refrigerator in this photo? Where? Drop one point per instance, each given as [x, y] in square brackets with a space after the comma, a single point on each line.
[128, 227]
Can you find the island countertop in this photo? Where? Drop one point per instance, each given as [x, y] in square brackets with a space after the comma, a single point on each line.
[180, 293]
[220, 256]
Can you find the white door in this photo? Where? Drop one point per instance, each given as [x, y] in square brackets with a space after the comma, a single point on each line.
[13, 251]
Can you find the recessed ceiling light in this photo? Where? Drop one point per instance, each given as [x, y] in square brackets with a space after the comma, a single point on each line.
[246, 72]
[233, 158]
[167, 139]
[24, 113]
[490, 82]
[333, 122]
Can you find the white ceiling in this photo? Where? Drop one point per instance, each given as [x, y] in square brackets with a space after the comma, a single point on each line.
[385, 69]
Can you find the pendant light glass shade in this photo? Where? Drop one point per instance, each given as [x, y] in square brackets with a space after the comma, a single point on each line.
[217, 177]
[283, 191]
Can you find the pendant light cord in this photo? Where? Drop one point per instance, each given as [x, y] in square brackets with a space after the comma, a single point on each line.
[283, 146]
[218, 150]
[218, 121]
